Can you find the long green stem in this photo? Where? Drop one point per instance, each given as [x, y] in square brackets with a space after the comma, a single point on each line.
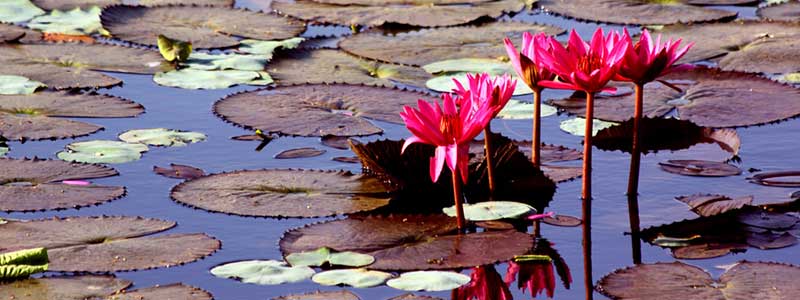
[633, 177]
[586, 197]
[537, 128]
[457, 199]
[489, 154]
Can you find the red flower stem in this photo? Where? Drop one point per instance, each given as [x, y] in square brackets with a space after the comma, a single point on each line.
[633, 177]
[457, 198]
[586, 196]
[488, 154]
[537, 128]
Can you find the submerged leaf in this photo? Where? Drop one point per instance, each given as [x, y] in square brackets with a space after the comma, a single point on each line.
[359, 278]
[102, 152]
[162, 137]
[429, 281]
[263, 272]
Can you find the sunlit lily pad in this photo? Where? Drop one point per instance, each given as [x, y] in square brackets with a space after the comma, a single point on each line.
[359, 278]
[18, 85]
[13, 11]
[321, 295]
[433, 45]
[700, 168]
[33, 184]
[325, 255]
[3, 150]
[169, 291]
[408, 242]
[75, 21]
[206, 27]
[784, 11]
[283, 193]
[417, 15]
[641, 12]
[334, 66]
[102, 152]
[266, 49]
[577, 126]
[70, 4]
[708, 205]
[428, 281]
[745, 280]
[470, 65]
[492, 210]
[232, 61]
[194, 79]
[337, 109]
[517, 110]
[263, 272]
[106, 244]
[35, 117]
[63, 287]
[162, 137]
[221, 3]
[444, 83]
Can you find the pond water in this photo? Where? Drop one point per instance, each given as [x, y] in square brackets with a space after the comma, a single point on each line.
[769, 147]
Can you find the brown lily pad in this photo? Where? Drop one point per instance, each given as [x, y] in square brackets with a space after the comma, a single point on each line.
[179, 171]
[219, 3]
[770, 56]
[563, 221]
[549, 153]
[639, 12]
[424, 15]
[167, 292]
[36, 116]
[560, 174]
[107, 244]
[772, 241]
[346, 159]
[767, 220]
[34, 184]
[336, 142]
[745, 280]
[705, 251]
[63, 287]
[338, 109]
[707, 205]
[700, 168]
[14, 33]
[409, 242]
[70, 4]
[768, 178]
[320, 295]
[205, 27]
[411, 296]
[334, 66]
[300, 153]
[432, 45]
[283, 193]
[784, 11]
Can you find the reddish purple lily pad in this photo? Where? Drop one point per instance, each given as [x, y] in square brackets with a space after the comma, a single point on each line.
[320, 295]
[705, 251]
[638, 12]
[179, 171]
[563, 221]
[656, 134]
[336, 142]
[300, 153]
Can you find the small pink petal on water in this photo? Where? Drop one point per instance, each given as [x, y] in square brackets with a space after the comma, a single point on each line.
[76, 182]
[541, 216]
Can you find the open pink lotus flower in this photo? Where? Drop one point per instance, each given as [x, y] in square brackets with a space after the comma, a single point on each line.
[486, 284]
[585, 66]
[647, 60]
[450, 129]
[483, 88]
[537, 277]
[529, 63]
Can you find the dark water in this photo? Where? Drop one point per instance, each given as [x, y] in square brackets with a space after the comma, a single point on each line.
[772, 147]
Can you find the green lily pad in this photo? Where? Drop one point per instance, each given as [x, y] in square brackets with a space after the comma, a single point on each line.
[429, 281]
[359, 278]
[470, 65]
[325, 255]
[492, 210]
[263, 272]
[444, 83]
[267, 48]
[577, 126]
[221, 3]
[162, 137]
[211, 62]
[190, 78]
[13, 11]
[519, 110]
[74, 22]
[63, 287]
[791, 78]
[102, 152]
[18, 85]
[70, 4]
[3, 151]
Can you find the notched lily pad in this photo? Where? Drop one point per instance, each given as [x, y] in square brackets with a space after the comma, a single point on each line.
[562, 221]
[63, 287]
[707, 205]
[428, 281]
[300, 153]
[70, 4]
[179, 171]
[492, 210]
[34, 184]
[577, 126]
[639, 12]
[782, 11]
[162, 137]
[700, 168]
[657, 134]
[359, 278]
[102, 152]
[283, 193]
[262, 272]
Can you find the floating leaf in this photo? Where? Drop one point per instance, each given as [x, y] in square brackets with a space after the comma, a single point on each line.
[416, 15]
[266, 49]
[408, 242]
[179, 171]
[169, 291]
[173, 50]
[22, 263]
[300, 153]
[13, 11]
[410, 296]
[206, 27]
[343, 159]
[75, 22]
[18, 85]
[700, 168]
[563, 221]
[326, 109]
[34, 184]
[550, 153]
[639, 12]
[705, 251]
[325, 255]
[492, 210]
[162, 137]
[283, 193]
[433, 45]
[767, 178]
[190, 78]
[102, 152]
[226, 3]
[3, 150]
[263, 272]
[562, 173]
[707, 205]
[12, 272]
[518, 110]
[577, 126]
[70, 4]
[783, 11]
[11, 33]
[428, 281]
[470, 65]
[444, 83]
[767, 220]
[337, 142]
[359, 278]
[63, 287]
[321, 295]
[210, 62]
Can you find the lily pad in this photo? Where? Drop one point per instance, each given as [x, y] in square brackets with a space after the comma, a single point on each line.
[359, 278]
[3, 150]
[408, 242]
[336, 109]
[700, 168]
[429, 281]
[639, 12]
[35, 184]
[784, 11]
[283, 193]
[492, 210]
[63, 287]
[18, 85]
[194, 79]
[231, 61]
[179, 171]
[300, 153]
[22, 263]
[707, 205]
[444, 83]
[577, 126]
[433, 45]
[225, 3]
[106, 244]
[10, 32]
[102, 152]
[560, 174]
[745, 280]
[336, 142]
[162, 137]
[562, 221]
[519, 110]
[766, 178]
[13, 11]
[206, 27]
[169, 291]
[470, 65]
[321, 295]
[424, 15]
[267, 48]
[70, 4]
[325, 255]
[74, 22]
[263, 272]
[411, 296]
[334, 66]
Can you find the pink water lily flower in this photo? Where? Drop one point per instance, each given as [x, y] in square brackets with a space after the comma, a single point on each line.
[647, 59]
[586, 66]
[529, 62]
[76, 182]
[448, 127]
[483, 88]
